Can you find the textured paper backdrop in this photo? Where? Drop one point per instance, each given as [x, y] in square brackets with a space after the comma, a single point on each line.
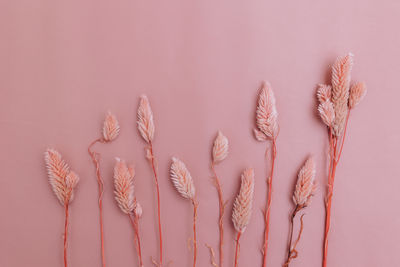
[63, 64]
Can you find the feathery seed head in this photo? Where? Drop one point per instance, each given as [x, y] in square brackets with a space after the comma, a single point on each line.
[324, 93]
[327, 112]
[220, 148]
[61, 179]
[341, 71]
[110, 128]
[266, 113]
[182, 179]
[123, 186]
[145, 119]
[305, 186]
[243, 203]
[357, 93]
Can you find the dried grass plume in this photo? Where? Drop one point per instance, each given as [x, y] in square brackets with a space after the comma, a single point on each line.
[327, 112]
[220, 148]
[110, 128]
[305, 186]
[243, 203]
[182, 179]
[324, 93]
[62, 180]
[145, 119]
[266, 114]
[357, 93]
[341, 71]
[124, 189]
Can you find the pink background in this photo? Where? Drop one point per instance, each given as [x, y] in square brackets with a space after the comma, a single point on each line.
[63, 64]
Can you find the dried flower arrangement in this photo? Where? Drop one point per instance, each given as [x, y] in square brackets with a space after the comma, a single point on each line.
[63, 181]
[242, 207]
[126, 200]
[183, 183]
[145, 123]
[109, 133]
[304, 190]
[219, 153]
[268, 129]
[335, 103]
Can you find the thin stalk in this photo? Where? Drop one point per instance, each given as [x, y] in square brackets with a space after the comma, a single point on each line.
[65, 235]
[269, 198]
[337, 152]
[158, 201]
[195, 205]
[100, 183]
[135, 225]
[221, 215]
[237, 249]
[296, 209]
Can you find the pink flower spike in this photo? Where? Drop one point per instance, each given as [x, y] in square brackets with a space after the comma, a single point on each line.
[244, 201]
[124, 189]
[305, 186]
[220, 148]
[324, 93]
[110, 128]
[341, 71]
[327, 112]
[266, 113]
[61, 179]
[145, 119]
[357, 93]
[182, 179]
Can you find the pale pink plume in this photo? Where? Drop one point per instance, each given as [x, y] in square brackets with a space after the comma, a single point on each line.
[220, 148]
[145, 119]
[61, 179]
[110, 128]
[341, 71]
[182, 179]
[244, 201]
[357, 93]
[266, 114]
[123, 183]
[324, 93]
[138, 210]
[305, 186]
[327, 112]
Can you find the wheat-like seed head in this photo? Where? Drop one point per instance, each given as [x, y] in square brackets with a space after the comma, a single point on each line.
[266, 113]
[220, 148]
[123, 184]
[341, 71]
[357, 93]
[145, 119]
[61, 179]
[182, 179]
[110, 128]
[305, 186]
[327, 112]
[324, 93]
[244, 201]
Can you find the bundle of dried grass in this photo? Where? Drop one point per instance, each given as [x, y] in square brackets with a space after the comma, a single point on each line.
[267, 129]
[63, 182]
[242, 207]
[145, 124]
[335, 103]
[183, 182]
[109, 133]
